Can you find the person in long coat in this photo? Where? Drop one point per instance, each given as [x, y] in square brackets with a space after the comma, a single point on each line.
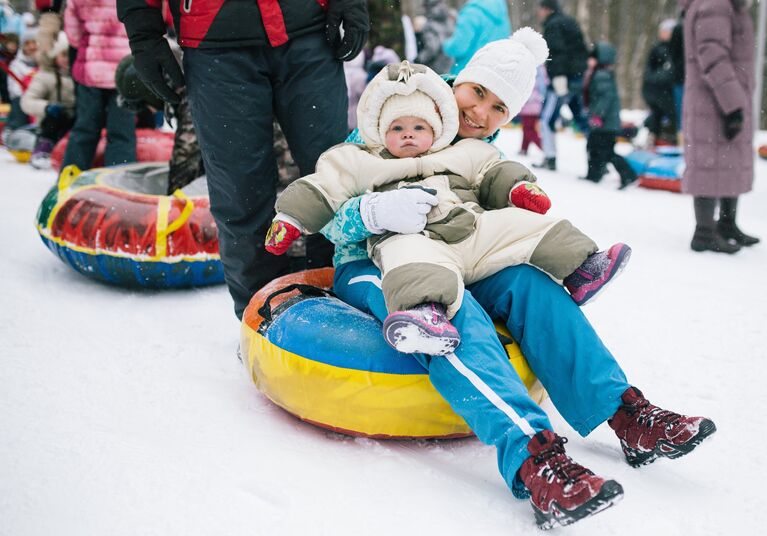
[717, 118]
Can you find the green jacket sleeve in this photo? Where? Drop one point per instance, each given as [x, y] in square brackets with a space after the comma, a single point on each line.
[498, 182]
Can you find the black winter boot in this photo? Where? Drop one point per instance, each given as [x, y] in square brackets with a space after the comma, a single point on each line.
[548, 163]
[628, 176]
[727, 227]
[706, 237]
[595, 171]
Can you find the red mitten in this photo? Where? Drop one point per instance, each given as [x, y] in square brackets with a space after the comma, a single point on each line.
[595, 121]
[280, 236]
[529, 196]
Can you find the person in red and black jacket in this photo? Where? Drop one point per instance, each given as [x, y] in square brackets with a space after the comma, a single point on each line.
[245, 62]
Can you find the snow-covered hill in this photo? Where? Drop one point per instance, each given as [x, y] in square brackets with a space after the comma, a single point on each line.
[127, 413]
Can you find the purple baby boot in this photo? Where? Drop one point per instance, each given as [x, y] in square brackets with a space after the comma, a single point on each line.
[424, 329]
[599, 268]
[41, 154]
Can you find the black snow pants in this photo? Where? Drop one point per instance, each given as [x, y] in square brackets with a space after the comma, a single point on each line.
[234, 93]
[601, 151]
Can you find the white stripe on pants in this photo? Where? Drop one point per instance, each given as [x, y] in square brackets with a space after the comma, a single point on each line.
[491, 395]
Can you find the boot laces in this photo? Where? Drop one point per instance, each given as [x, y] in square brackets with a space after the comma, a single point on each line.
[560, 463]
[649, 414]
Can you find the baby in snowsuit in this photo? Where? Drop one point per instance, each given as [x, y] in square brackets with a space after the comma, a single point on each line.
[484, 214]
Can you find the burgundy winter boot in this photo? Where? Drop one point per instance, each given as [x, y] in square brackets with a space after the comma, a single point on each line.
[648, 432]
[562, 491]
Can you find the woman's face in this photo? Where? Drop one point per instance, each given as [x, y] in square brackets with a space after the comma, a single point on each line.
[480, 111]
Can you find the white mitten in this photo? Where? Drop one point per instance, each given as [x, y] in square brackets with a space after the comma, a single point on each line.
[399, 211]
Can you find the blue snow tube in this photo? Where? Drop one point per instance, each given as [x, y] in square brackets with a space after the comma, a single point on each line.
[661, 169]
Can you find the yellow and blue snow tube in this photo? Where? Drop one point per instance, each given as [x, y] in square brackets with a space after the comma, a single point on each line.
[327, 363]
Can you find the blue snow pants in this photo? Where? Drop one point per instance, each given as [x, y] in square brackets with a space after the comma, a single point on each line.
[581, 376]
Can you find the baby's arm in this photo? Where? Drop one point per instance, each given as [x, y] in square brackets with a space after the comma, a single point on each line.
[347, 226]
[343, 172]
[501, 183]
[305, 205]
[510, 183]
[311, 201]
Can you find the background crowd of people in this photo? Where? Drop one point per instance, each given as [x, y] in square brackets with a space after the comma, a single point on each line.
[60, 62]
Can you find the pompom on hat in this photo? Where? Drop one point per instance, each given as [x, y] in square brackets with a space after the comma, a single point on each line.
[507, 67]
[30, 34]
[60, 45]
[407, 89]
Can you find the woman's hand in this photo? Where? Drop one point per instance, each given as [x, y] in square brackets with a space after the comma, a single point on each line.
[399, 211]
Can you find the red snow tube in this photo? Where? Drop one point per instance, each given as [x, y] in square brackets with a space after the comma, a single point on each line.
[151, 146]
[763, 151]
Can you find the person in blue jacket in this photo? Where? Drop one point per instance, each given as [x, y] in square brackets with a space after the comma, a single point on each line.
[582, 377]
[479, 22]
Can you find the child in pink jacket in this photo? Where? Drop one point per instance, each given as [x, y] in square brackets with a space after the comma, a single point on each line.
[101, 42]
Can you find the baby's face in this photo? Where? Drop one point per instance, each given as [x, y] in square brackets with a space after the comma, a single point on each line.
[409, 136]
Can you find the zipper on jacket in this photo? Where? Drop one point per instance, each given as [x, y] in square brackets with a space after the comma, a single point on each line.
[187, 6]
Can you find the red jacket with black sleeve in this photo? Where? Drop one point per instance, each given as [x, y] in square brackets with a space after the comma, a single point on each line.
[233, 23]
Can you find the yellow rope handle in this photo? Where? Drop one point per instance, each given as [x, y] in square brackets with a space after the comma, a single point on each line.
[185, 213]
[68, 175]
[163, 227]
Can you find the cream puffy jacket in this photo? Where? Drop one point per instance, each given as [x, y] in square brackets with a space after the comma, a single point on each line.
[48, 87]
[467, 177]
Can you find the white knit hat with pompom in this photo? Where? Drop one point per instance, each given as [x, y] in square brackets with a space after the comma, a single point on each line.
[507, 67]
[402, 89]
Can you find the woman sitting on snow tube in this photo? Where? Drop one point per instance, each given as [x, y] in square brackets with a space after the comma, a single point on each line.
[581, 376]
[117, 225]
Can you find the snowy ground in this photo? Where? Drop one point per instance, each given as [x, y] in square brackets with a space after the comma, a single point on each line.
[127, 413]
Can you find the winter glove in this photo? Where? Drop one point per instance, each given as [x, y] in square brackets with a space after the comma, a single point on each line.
[53, 110]
[733, 124]
[356, 22]
[529, 196]
[282, 233]
[596, 122]
[400, 211]
[153, 60]
[559, 84]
